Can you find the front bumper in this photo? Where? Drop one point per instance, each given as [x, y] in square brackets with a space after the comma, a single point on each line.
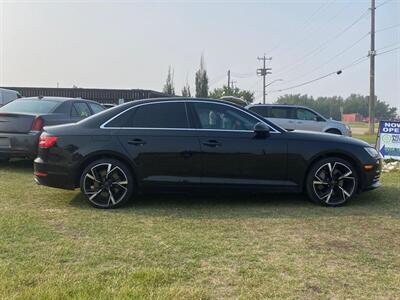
[22, 145]
[53, 175]
[371, 179]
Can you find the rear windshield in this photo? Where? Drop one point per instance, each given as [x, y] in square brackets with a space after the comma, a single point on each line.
[30, 106]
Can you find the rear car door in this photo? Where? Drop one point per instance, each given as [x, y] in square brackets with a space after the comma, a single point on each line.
[231, 153]
[164, 149]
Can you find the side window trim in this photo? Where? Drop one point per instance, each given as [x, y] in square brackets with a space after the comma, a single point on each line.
[186, 102]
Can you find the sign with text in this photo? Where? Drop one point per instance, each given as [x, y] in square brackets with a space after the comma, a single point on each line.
[389, 139]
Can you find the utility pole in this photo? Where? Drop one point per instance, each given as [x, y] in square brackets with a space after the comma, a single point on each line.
[372, 54]
[229, 79]
[233, 84]
[263, 72]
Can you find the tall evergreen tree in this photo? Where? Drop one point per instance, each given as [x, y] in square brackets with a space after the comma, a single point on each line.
[202, 80]
[169, 83]
[186, 90]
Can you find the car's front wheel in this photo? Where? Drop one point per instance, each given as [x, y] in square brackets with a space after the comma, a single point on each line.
[332, 182]
[107, 183]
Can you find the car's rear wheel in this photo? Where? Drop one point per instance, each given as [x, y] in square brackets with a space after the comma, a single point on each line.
[107, 183]
[332, 182]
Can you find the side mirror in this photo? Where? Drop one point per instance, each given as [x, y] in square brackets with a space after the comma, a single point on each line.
[261, 130]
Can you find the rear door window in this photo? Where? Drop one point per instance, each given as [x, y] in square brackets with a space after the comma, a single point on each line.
[80, 110]
[261, 110]
[280, 112]
[160, 115]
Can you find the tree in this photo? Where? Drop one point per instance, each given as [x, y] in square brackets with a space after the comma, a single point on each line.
[332, 106]
[236, 92]
[169, 83]
[202, 80]
[186, 90]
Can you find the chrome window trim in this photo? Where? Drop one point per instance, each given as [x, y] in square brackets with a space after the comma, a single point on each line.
[102, 126]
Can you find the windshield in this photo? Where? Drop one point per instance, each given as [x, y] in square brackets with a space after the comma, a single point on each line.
[29, 106]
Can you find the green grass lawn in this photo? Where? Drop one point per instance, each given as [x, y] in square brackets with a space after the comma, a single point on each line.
[371, 139]
[55, 246]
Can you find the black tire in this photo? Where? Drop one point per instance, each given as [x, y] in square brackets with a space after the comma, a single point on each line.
[334, 131]
[107, 183]
[332, 182]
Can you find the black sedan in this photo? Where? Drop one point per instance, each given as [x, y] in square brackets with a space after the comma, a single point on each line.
[22, 121]
[199, 143]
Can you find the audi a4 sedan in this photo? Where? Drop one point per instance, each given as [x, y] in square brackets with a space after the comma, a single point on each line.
[178, 143]
[22, 121]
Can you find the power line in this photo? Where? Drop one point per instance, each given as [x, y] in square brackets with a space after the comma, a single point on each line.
[388, 46]
[303, 26]
[322, 46]
[387, 28]
[384, 52]
[383, 3]
[312, 34]
[331, 59]
[338, 72]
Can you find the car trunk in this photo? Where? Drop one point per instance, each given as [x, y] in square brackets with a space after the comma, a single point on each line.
[16, 122]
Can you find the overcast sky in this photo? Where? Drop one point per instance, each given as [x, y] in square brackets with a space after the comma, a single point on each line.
[130, 44]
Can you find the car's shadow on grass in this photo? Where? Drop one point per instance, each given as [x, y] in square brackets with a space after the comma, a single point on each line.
[231, 205]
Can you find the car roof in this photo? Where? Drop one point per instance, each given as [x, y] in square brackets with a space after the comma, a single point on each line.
[169, 99]
[277, 105]
[58, 99]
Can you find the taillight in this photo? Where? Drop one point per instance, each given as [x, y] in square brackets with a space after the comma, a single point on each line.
[47, 141]
[37, 124]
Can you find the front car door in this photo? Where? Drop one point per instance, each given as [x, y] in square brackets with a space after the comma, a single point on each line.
[163, 148]
[308, 120]
[282, 116]
[230, 151]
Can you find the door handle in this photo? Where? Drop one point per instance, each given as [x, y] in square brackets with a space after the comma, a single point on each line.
[137, 142]
[290, 122]
[212, 143]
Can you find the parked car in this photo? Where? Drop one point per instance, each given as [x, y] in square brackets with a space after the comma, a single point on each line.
[293, 117]
[7, 96]
[108, 105]
[199, 143]
[22, 121]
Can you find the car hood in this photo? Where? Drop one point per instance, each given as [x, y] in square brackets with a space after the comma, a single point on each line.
[325, 137]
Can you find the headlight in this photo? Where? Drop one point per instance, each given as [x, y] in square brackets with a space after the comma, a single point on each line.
[372, 151]
[348, 127]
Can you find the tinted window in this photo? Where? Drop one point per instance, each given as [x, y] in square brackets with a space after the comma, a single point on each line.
[80, 110]
[160, 115]
[280, 112]
[223, 117]
[96, 108]
[261, 110]
[30, 106]
[305, 114]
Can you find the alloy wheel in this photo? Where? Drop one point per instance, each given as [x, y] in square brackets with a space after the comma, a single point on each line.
[105, 185]
[334, 183]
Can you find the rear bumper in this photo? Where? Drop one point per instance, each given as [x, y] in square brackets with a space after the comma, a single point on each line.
[19, 145]
[53, 175]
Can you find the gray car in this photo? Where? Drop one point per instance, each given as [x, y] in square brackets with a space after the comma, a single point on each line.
[22, 121]
[293, 117]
